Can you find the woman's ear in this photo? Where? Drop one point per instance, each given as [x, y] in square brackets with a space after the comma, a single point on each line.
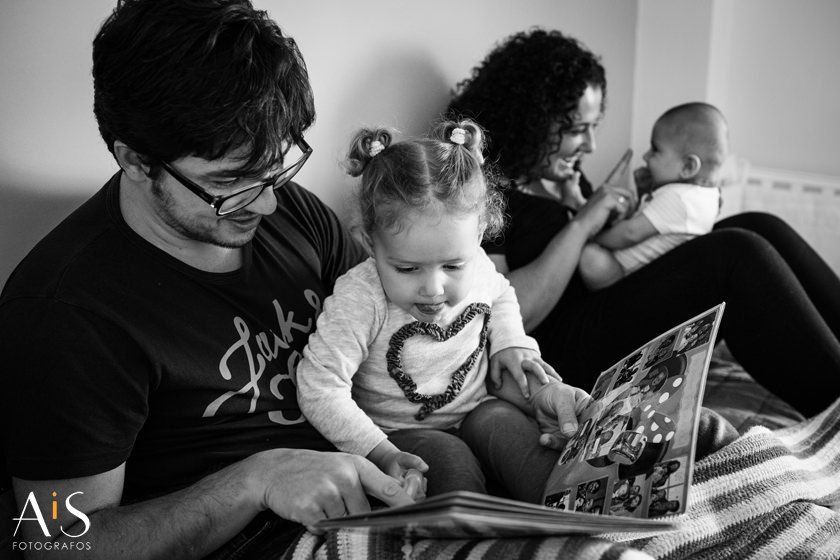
[691, 166]
[131, 162]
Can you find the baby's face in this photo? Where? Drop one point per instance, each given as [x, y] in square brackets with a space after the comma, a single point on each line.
[664, 159]
[427, 266]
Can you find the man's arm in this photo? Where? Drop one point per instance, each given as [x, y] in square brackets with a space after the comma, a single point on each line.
[299, 485]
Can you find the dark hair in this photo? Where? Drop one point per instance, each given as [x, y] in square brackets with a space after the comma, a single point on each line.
[175, 78]
[527, 84]
[413, 173]
[702, 130]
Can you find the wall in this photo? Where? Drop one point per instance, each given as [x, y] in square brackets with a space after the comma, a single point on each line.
[371, 62]
[783, 83]
[768, 64]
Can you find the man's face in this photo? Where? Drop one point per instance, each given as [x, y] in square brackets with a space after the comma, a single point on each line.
[192, 218]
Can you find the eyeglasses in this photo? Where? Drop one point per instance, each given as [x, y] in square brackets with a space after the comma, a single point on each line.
[227, 204]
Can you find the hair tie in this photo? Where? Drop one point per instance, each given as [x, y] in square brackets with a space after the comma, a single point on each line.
[375, 147]
[458, 136]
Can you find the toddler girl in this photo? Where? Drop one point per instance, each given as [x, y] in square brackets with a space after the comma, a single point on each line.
[403, 347]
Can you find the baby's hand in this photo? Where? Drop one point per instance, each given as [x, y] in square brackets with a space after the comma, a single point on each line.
[570, 194]
[643, 180]
[556, 408]
[518, 362]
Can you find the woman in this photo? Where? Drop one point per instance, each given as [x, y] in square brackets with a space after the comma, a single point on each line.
[541, 95]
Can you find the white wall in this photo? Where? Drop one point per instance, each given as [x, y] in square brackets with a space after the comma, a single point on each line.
[371, 62]
[386, 62]
[769, 64]
[783, 83]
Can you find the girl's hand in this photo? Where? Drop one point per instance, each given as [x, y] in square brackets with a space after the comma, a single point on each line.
[519, 362]
[405, 467]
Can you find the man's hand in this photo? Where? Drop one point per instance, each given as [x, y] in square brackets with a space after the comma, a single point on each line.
[308, 486]
[518, 362]
[556, 408]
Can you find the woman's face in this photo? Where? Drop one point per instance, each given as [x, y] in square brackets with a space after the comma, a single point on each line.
[579, 139]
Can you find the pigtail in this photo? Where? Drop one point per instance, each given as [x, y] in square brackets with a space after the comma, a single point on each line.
[463, 142]
[366, 144]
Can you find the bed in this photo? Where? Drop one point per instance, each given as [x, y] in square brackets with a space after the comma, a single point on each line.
[773, 493]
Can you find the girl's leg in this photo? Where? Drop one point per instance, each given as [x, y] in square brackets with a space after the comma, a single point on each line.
[770, 323]
[820, 282]
[506, 442]
[452, 466]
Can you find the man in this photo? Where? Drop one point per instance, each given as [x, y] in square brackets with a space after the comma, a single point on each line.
[150, 341]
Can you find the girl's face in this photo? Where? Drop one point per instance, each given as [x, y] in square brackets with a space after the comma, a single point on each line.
[579, 139]
[427, 266]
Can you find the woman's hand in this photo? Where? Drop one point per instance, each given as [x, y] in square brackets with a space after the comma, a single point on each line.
[556, 407]
[606, 204]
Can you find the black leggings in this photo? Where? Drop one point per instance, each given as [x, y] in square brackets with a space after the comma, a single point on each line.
[782, 317]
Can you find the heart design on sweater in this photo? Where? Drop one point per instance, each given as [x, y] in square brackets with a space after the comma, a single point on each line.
[393, 357]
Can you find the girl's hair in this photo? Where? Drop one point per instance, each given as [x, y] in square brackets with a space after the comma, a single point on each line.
[527, 84]
[447, 167]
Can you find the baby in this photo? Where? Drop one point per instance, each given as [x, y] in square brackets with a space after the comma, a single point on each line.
[679, 193]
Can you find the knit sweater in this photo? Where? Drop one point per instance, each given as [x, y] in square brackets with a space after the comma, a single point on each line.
[346, 387]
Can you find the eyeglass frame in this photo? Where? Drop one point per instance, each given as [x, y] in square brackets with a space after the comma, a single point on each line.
[275, 182]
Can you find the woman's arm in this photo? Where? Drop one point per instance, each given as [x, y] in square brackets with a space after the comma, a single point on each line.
[540, 284]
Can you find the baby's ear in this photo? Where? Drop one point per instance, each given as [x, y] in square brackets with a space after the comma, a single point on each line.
[691, 166]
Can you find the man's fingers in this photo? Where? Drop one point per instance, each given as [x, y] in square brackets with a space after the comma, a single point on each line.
[335, 508]
[380, 485]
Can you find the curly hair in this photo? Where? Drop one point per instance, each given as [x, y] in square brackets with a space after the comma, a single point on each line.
[524, 87]
[411, 174]
[199, 77]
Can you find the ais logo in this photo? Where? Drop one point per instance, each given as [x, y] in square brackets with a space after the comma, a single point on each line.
[32, 503]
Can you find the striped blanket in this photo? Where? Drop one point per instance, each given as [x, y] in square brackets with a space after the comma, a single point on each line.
[769, 494]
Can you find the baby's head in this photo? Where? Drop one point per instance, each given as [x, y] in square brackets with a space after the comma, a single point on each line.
[425, 206]
[689, 144]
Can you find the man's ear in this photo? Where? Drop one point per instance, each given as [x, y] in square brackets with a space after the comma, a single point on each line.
[131, 162]
[691, 166]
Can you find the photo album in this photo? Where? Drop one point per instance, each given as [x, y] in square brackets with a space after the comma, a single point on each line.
[628, 467]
